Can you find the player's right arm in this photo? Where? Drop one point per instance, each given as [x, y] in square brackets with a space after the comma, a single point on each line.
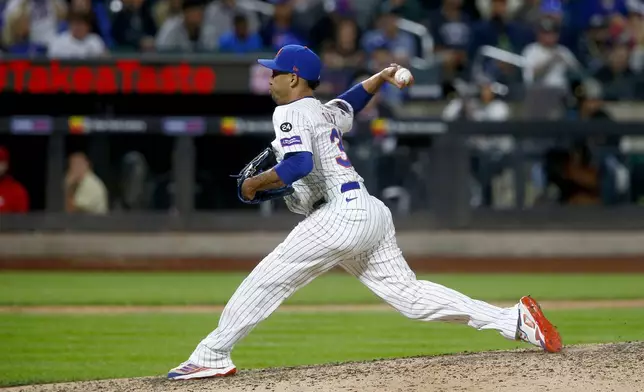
[359, 95]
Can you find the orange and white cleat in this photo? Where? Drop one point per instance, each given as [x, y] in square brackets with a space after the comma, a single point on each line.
[533, 327]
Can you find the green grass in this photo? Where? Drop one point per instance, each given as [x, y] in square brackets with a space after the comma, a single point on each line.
[51, 348]
[24, 288]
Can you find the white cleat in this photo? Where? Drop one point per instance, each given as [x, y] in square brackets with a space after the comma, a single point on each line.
[187, 371]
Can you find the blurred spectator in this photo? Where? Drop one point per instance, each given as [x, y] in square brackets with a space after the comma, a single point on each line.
[221, 14]
[99, 17]
[588, 101]
[582, 12]
[529, 12]
[365, 11]
[546, 62]
[281, 30]
[343, 51]
[469, 7]
[387, 34]
[635, 14]
[408, 9]
[616, 76]
[487, 8]
[486, 104]
[84, 191]
[347, 38]
[491, 181]
[13, 196]
[240, 40]
[19, 42]
[133, 27]
[500, 31]
[135, 183]
[187, 32]
[330, 57]
[579, 182]
[78, 42]
[308, 14]
[594, 44]
[302, 5]
[613, 174]
[162, 10]
[636, 26]
[38, 19]
[326, 26]
[450, 28]
[334, 77]
[626, 28]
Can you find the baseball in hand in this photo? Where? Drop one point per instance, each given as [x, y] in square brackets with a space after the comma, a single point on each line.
[403, 76]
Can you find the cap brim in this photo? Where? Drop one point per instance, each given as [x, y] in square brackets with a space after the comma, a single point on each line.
[271, 64]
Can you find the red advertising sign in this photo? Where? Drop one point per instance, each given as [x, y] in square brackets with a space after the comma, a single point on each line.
[121, 76]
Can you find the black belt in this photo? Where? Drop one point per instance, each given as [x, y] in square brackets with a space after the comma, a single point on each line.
[346, 187]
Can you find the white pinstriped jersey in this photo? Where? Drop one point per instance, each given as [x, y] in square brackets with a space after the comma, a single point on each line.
[353, 230]
[309, 125]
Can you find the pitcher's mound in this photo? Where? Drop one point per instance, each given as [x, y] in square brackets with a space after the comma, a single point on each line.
[605, 367]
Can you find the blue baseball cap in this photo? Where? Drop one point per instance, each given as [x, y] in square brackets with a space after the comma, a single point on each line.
[296, 59]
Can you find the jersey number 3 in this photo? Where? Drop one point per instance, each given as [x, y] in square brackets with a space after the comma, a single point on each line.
[342, 159]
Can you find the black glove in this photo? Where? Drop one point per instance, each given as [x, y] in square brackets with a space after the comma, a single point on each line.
[262, 162]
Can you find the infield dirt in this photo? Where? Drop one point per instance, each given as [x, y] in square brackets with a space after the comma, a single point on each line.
[588, 368]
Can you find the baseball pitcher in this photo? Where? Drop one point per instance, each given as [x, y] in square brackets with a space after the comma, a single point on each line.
[343, 226]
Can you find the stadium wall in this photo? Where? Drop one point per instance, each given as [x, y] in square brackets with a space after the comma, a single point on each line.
[434, 251]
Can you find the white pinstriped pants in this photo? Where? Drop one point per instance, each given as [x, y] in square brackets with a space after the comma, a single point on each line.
[358, 235]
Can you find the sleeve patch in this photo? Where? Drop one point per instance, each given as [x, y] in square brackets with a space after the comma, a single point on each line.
[286, 127]
[290, 141]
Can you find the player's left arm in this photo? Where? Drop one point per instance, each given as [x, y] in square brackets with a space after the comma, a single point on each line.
[264, 181]
[293, 131]
[294, 166]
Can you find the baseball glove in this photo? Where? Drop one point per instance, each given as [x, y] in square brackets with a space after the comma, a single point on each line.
[262, 162]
